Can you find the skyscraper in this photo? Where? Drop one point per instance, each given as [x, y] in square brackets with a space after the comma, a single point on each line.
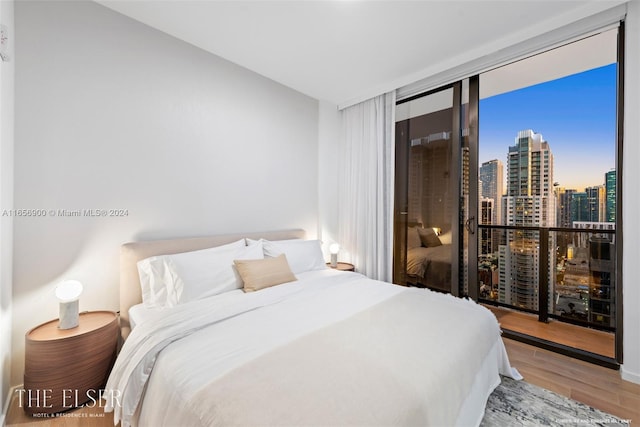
[579, 207]
[595, 203]
[564, 199]
[486, 214]
[492, 177]
[491, 188]
[610, 190]
[530, 201]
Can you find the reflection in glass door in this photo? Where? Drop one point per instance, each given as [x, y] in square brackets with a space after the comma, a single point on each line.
[427, 191]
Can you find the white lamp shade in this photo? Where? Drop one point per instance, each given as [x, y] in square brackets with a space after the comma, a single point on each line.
[69, 290]
[334, 248]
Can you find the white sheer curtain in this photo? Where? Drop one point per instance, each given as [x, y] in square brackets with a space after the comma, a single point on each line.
[365, 195]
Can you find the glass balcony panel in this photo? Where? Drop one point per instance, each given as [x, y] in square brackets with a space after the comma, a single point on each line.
[584, 281]
[580, 272]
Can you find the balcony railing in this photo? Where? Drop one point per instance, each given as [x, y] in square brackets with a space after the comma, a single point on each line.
[567, 274]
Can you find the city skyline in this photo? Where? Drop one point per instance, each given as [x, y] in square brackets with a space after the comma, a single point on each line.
[578, 265]
[575, 114]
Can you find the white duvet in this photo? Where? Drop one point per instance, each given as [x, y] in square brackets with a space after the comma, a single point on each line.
[362, 352]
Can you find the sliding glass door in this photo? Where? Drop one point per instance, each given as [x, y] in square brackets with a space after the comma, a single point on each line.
[435, 212]
[429, 168]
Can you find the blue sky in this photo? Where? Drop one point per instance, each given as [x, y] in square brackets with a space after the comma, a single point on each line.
[575, 114]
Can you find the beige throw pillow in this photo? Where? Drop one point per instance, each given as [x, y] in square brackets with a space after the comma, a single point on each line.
[428, 237]
[262, 273]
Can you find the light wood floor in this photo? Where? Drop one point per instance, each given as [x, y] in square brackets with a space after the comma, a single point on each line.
[592, 340]
[593, 385]
[585, 382]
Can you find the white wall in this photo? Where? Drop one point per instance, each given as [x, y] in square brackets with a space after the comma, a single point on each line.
[6, 202]
[631, 201]
[329, 137]
[113, 114]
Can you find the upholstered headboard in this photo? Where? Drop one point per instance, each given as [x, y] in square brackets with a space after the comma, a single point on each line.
[131, 253]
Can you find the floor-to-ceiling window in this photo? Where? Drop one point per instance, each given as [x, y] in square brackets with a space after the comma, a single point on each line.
[538, 142]
[548, 171]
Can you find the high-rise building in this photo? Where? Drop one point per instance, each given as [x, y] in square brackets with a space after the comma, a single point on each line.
[486, 215]
[579, 207]
[588, 206]
[492, 188]
[610, 190]
[599, 271]
[530, 201]
[429, 202]
[595, 203]
[564, 199]
[492, 178]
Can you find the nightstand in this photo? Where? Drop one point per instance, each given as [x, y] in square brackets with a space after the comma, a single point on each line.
[65, 368]
[343, 266]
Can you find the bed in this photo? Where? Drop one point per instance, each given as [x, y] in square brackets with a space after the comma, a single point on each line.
[429, 259]
[328, 348]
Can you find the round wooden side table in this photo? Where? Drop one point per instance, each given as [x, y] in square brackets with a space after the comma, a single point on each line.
[343, 266]
[66, 368]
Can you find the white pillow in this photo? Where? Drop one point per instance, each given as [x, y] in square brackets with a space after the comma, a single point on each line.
[168, 280]
[217, 276]
[303, 255]
[156, 281]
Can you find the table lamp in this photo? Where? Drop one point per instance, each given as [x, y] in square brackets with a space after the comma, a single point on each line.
[334, 249]
[68, 293]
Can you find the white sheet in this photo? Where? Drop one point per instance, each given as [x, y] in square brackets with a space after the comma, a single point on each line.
[138, 314]
[240, 329]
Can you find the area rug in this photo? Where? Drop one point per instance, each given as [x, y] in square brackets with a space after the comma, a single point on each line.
[518, 403]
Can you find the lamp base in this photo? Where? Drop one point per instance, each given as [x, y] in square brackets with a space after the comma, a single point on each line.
[334, 261]
[69, 315]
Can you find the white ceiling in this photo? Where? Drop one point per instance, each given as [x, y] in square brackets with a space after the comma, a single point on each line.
[346, 51]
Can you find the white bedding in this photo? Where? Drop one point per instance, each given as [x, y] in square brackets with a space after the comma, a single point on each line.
[139, 313]
[173, 357]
